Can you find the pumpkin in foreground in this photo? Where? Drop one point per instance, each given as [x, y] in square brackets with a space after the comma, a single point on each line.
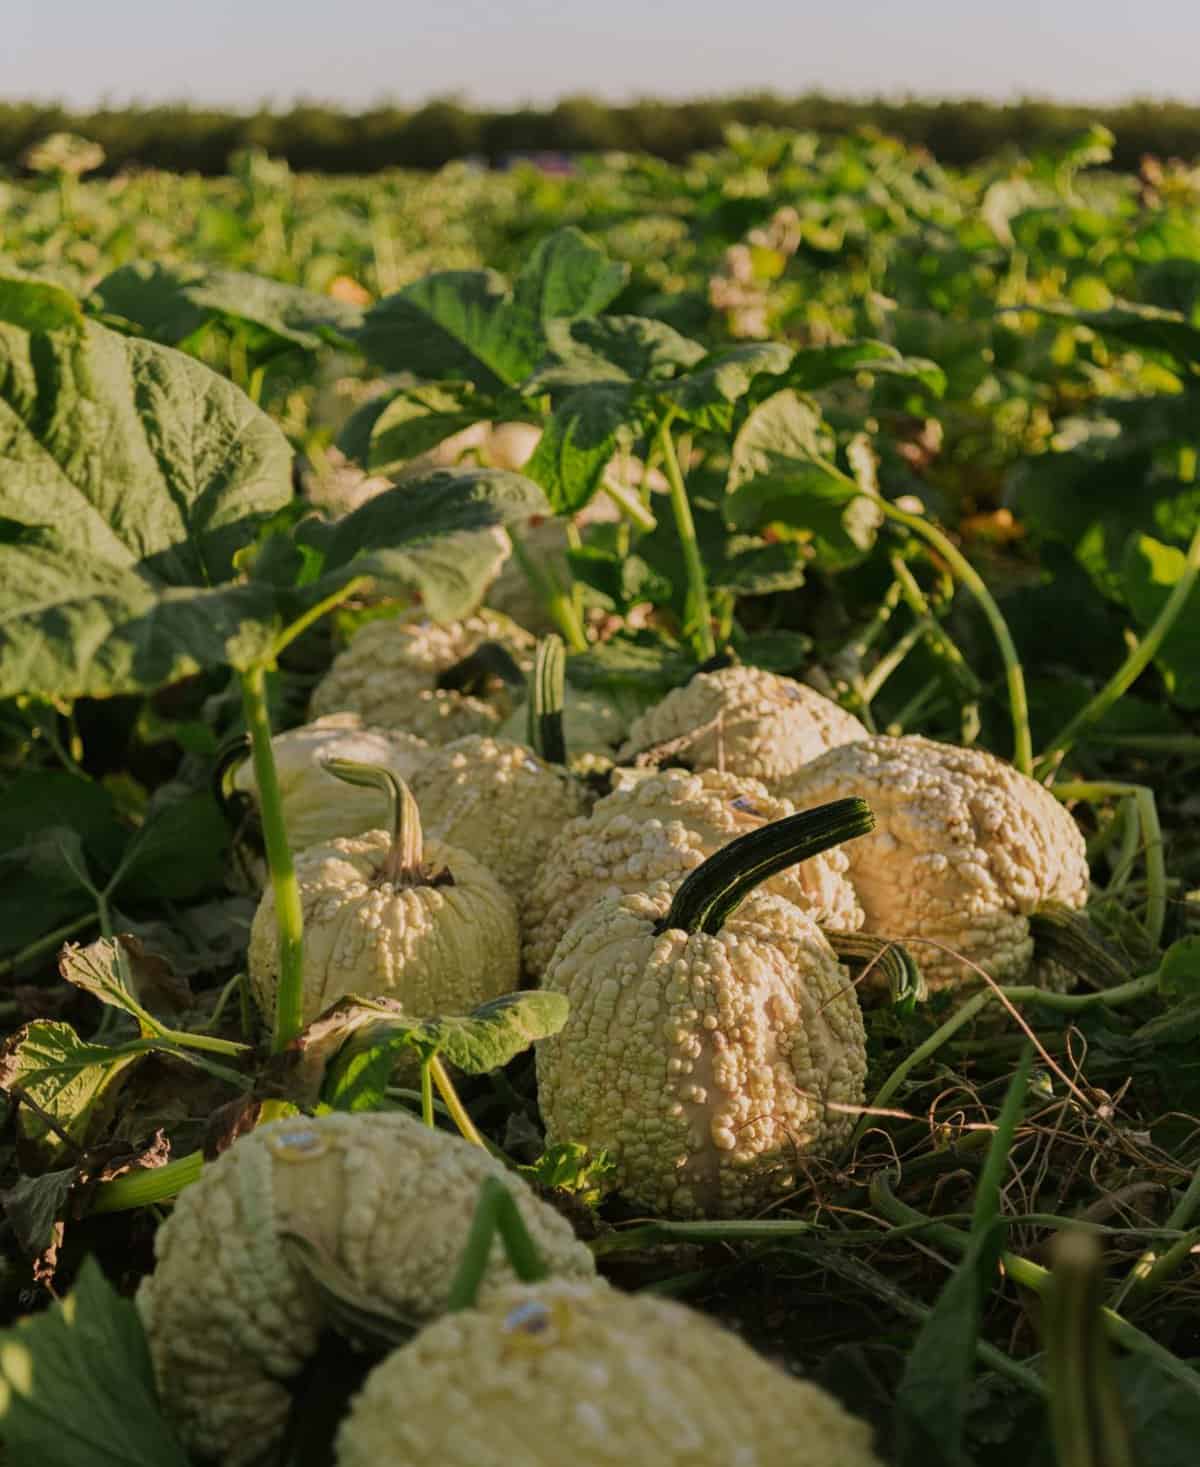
[708, 1053]
[230, 1313]
[565, 1372]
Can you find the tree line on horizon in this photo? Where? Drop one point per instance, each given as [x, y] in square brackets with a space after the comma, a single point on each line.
[323, 139]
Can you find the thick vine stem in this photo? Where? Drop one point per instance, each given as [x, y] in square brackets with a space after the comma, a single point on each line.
[1014, 673]
[1085, 1407]
[706, 644]
[1138, 660]
[1065, 935]
[864, 953]
[289, 1000]
[495, 1212]
[150, 1185]
[547, 693]
[402, 864]
[559, 606]
[454, 1106]
[710, 894]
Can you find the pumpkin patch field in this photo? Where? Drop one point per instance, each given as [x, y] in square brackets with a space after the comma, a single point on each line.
[599, 812]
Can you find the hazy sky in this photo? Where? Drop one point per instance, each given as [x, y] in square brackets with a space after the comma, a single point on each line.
[355, 52]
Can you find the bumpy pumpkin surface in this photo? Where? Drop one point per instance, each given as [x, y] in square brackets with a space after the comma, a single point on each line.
[964, 848]
[747, 721]
[707, 1066]
[498, 801]
[563, 1372]
[445, 945]
[231, 1317]
[659, 826]
[388, 675]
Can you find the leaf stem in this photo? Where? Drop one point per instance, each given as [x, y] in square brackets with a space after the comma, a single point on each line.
[628, 503]
[458, 1111]
[495, 1212]
[1151, 1270]
[315, 613]
[289, 998]
[558, 604]
[1132, 668]
[49, 939]
[685, 525]
[427, 1095]
[149, 1185]
[1014, 674]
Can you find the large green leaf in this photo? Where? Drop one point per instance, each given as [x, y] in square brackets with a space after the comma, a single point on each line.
[579, 441]
[485, 1039]
[461, 324]
[467, 324]
[72, 625]
[414, 421]
[171, 302]
[437, 536]
[650, 669]
[933, 1397]
[752, 567]
[818, 366]
[615, 349]
[129, 476]
[77, 1386]
[707, 395]
[1151, 572]
[568, 275]
[37, 305]
[779, 474]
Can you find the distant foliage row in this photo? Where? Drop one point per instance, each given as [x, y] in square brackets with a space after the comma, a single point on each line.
[323, 139]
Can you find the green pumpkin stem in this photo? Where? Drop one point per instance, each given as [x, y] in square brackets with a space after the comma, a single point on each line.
[710, 895]
[547, 692]
[402, 864]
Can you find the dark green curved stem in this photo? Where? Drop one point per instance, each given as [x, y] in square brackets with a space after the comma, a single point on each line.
[547, 692]
[495, 1212]
[864, 953]
[1065, 935]
[1086, 1418]
[711, 894]
[402, 864]
[232, 754]
[289, 997]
